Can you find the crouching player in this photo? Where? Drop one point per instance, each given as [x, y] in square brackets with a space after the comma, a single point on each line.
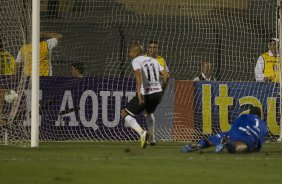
[247, 134]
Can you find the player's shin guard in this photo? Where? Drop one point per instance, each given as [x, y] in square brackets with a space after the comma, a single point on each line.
[132, 123]
[150, 120]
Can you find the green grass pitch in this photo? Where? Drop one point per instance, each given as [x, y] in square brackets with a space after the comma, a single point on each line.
[127, 163]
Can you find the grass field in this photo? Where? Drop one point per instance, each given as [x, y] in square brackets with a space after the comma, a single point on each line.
[126, 163]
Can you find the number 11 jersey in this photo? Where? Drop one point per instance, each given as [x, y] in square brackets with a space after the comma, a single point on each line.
[150, 71]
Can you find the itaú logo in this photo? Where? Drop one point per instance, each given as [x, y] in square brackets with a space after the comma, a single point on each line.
[223, 101]
[91, 107]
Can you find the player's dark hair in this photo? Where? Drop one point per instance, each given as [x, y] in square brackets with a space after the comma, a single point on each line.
[42, 38]
[205, 61]
[274, 40]
[256, 111]
[78, 66]
[231, 147]
[153, 42]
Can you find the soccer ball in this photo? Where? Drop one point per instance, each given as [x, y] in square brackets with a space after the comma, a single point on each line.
[11, 96]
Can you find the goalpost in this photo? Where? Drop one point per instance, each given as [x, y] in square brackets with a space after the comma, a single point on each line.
[35, 73]
[279, 21]
[230, 34]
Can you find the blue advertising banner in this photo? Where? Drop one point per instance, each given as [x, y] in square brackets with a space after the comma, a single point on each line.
[84, 108]
[89, 108]
[217, 104]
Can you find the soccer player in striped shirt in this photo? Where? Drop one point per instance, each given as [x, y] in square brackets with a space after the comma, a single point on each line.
[149, 90]
[46, 47]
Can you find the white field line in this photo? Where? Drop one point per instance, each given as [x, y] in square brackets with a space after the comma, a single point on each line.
[135, 158]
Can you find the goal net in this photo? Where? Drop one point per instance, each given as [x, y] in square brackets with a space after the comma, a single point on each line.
[230, 34]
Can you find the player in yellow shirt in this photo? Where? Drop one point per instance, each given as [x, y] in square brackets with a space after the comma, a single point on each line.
[7, 61]
[46, 47]
[152, 51]
[7, 67]
[268, 66]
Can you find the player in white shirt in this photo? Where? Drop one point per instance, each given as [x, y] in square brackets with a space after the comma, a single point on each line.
[149, 90]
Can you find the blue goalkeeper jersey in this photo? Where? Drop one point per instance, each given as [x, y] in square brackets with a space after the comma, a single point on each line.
[249, 129]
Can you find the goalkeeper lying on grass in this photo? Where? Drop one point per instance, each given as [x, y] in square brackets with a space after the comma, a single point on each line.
[247, 134]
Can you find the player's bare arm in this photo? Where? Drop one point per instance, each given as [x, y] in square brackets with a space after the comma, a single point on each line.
[165, 74]
[137, 74]
[52, 35]
[18, 68]
[268, 79]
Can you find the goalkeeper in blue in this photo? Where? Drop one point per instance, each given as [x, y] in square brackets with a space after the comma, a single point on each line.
[247, 134]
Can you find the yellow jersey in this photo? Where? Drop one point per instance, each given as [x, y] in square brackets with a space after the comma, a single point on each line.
[161, 61]
[26, 56]
[7, 63]
[271, 67]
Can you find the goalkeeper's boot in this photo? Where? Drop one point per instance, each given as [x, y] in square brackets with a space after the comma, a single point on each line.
[190, 147]
[219, 148]
[144, 138]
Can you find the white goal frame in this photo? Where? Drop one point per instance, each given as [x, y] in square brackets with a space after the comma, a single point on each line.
[35, 74]
[279, 21]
